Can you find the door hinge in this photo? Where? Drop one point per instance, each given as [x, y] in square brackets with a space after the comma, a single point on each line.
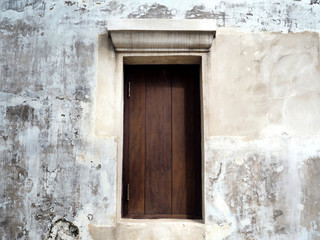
[129, 90]
[128, 189]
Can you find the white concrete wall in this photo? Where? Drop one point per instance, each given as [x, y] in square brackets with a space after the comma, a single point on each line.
[58, 159]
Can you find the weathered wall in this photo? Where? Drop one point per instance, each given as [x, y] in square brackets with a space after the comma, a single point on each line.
[264, 136]
[58, 165]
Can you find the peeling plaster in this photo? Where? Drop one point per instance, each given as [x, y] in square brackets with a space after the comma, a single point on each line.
[63, 229]
[153, 11]
[264, 194]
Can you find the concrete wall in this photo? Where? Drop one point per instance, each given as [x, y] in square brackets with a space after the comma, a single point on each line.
[59, 149]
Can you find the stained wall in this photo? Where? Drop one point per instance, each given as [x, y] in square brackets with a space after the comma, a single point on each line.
[61, 110]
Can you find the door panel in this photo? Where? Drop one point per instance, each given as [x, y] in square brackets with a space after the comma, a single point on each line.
[158, 144]
[162, 149]
[183, 193]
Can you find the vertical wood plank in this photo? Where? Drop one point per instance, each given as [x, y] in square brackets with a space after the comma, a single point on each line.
[158, 142]
[137, 140]
[183, 134]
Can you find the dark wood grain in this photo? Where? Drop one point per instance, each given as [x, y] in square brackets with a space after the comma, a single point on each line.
[158, 142]
[183, 133]
[137, 140]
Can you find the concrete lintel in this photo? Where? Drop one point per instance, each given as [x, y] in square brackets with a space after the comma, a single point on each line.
[162, 35]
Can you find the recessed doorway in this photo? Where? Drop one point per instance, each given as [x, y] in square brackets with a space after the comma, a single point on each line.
[162, 142]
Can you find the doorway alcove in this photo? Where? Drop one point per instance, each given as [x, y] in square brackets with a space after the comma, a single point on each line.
[162, 42]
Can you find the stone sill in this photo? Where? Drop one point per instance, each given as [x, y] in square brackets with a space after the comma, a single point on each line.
[162, 220]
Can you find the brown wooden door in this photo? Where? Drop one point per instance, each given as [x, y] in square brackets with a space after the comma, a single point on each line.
[162, 149]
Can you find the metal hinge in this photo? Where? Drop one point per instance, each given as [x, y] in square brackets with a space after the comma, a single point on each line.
[129, 89]
[128, 189]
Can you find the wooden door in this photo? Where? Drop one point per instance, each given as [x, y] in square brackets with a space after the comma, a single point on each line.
[162, 142]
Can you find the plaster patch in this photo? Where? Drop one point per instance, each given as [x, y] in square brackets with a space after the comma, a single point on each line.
[217, 232]
[302, 115]
[160, 230]
[101, 233]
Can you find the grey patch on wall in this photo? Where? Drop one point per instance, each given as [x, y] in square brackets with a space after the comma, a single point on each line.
[78, 7]
[199, 11]
[63, 230]
[12, 229]
[21, 112]
[310, 216]
[45, 209]
[69, 3]
[20, 5]
[252, 189]
[18, 28]
[276, 214]
[83, 54]
[154, 11]
[113, 7]
[82, 94]
[245, 14]
[314, 2]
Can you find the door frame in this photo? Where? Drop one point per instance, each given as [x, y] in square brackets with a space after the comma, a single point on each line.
[204, 60]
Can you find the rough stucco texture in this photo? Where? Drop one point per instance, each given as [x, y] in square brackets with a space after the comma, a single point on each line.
[262, 151]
